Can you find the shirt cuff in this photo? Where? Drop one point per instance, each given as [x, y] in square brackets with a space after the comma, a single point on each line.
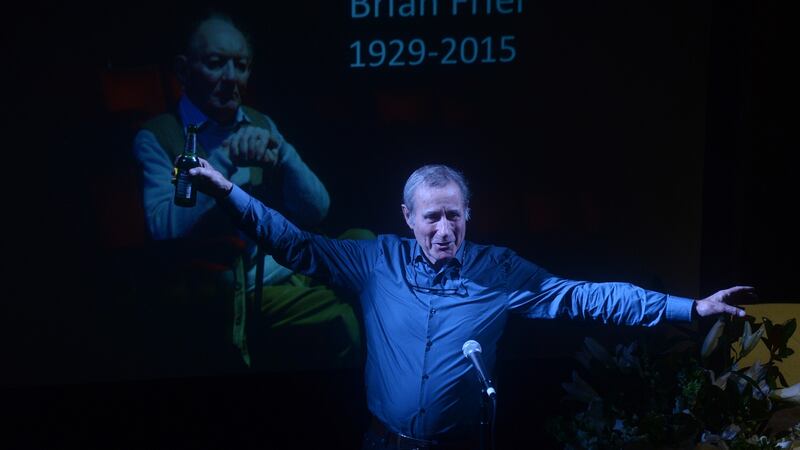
[236, 202]
[679, 309]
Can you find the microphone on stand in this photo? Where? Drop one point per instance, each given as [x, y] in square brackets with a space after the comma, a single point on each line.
[472, 351]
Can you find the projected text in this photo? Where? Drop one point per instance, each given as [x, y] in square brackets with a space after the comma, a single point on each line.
[447, 51]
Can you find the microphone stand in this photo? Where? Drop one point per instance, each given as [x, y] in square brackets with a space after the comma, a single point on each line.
[488, 410]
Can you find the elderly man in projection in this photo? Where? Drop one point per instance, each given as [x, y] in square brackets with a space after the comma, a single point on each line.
[297, 324]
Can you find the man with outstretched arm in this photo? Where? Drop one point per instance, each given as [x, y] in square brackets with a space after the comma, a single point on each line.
[423, 298]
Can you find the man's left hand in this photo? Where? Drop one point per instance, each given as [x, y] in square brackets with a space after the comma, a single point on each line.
[720, 302]
[252, 147]
[210, 181]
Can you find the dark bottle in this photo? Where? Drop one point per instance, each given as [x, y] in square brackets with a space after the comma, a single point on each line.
[185, 192]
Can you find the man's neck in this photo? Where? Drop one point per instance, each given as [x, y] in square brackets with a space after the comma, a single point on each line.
[222, 118]
[437, 265]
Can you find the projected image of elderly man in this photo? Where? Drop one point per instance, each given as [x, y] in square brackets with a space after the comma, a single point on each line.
[296, 324]
[424, 298]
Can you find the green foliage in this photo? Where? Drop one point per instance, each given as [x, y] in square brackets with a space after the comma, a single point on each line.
[642, 396]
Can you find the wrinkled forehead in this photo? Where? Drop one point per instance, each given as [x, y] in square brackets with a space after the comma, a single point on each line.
[218, 37]
[449, 197]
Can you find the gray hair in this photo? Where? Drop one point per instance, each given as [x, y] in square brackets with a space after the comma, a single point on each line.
[435, 175]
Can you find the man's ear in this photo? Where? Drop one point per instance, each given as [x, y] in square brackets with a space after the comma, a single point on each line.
[181, 65]
[407, 216]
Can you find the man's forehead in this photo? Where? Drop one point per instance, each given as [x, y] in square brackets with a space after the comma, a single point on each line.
[437, 209]
[221, 38]
[449, 190]
[435, 198]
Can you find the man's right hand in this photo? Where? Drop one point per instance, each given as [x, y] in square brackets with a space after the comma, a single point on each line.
[252, 147]
[722, 301]
[209, 181]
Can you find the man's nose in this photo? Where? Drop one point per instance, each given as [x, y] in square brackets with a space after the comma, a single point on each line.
[443, 226]
[228, 70]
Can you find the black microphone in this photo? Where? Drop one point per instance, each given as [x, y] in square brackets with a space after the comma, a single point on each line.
[472, 351]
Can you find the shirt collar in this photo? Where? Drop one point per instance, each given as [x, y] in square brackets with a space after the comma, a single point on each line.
[191, 114]
[419, 256]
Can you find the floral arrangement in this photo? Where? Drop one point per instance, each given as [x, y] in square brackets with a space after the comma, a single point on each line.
[674, 393]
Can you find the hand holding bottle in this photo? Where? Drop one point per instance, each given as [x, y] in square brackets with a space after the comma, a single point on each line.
[210, 181]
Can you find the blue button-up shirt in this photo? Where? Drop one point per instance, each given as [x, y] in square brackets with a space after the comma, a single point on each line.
[417, 317]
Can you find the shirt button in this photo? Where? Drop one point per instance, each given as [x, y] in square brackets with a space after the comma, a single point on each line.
[425, 377]
[433, 311]
[428, 345]
[422, 411]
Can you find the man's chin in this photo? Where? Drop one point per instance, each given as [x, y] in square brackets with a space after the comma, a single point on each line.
[444, 256]
[229, 105]
[224, 111]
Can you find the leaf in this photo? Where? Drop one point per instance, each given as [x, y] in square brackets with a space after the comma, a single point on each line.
[769, 340]
[784, 383]
[712, 338]
[781, 338]
[791, 326]
[580, 389]
[785, 352]
[625, 358]
[597, 351]
[766, 342]
[767, 323]
[584, 358]
[774, 376]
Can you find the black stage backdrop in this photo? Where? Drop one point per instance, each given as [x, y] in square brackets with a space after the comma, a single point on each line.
[627, 141]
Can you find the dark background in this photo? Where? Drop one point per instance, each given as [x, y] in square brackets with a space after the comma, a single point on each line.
[631, 141]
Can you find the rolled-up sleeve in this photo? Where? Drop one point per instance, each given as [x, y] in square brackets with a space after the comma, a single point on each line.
[342, 262]
[535, 293]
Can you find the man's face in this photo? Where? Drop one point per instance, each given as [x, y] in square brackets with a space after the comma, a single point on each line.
[217, 70]
[438, 218]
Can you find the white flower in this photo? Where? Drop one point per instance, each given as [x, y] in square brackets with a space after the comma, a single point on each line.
[713, 440]
[789, 394]
[712, 338]
[720, 382]
[730, 433]
[749, 339]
